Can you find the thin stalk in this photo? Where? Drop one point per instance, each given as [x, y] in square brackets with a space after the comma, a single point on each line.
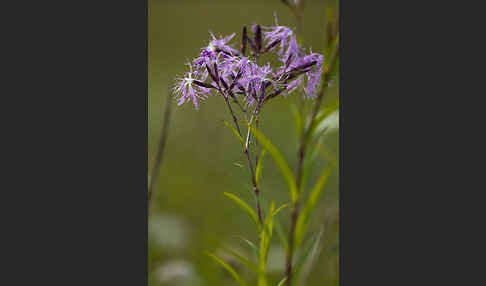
[235, 100]
[256, 142]
[248, 157]
[301, 156]
[160, 151]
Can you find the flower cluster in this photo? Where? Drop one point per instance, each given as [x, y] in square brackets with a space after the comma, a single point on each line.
[236, 74]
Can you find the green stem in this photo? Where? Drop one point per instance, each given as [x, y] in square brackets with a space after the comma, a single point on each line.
[301, 156]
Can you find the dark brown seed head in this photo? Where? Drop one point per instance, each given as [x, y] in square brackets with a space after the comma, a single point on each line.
[243, 41]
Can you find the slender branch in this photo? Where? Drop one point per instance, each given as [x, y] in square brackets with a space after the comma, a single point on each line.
[256, 142]
[248, 156]
[235, 120]
[235, 100]
[301, 156]
[160, 151]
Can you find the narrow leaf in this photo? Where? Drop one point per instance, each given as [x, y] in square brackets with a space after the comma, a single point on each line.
[251, 244]
[234, 132]
[329, 124]
[326, 155]
[323, 115]
[279, 160]
[266, 235]
[303, 220]
[280, 208]
[310, 259]
[251, 265]
[308, 161]
[230, 269]
[281, 283]
[265, 238]
[259, 167]
[244, 206]
[311, 245]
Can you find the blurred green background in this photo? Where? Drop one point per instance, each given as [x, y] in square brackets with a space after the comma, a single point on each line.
[190, 212]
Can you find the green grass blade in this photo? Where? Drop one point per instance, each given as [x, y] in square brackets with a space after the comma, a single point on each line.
[234, 132]
[326, 155]
[323, 115]
[329, 125]
[230, 269]
[266, 235]
[265, 238]
[308, 162]
[244, 206]
[279, 209]
[281, 283]
[309, 249]
[259, 167]
[251, 244]
[303, 220]
[251, 265]
[279, 160]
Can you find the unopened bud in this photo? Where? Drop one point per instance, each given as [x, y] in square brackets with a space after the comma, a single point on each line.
[243, 41]
[271, 45]
[203, 84]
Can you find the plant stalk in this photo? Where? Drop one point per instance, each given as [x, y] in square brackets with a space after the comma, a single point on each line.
[248, 157]
[301, 156]
[160, 151]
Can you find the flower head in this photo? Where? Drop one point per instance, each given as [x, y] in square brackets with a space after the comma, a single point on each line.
[189, 91]
[220, 44]
[232, 74]
[288, 41]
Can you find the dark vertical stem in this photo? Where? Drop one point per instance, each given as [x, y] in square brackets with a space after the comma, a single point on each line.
[256, 142]
[301, 156]
[160, 151]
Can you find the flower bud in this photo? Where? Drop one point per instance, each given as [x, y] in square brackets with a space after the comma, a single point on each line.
[202, 84]
[271, 45]
[244, 39]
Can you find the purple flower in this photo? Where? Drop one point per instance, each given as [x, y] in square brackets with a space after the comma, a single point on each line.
[221, 44]
[188, 91]
[314, 75]
[233, 74]
[287, 40]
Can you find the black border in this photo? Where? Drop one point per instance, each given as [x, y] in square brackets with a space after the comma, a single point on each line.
[76, 179]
